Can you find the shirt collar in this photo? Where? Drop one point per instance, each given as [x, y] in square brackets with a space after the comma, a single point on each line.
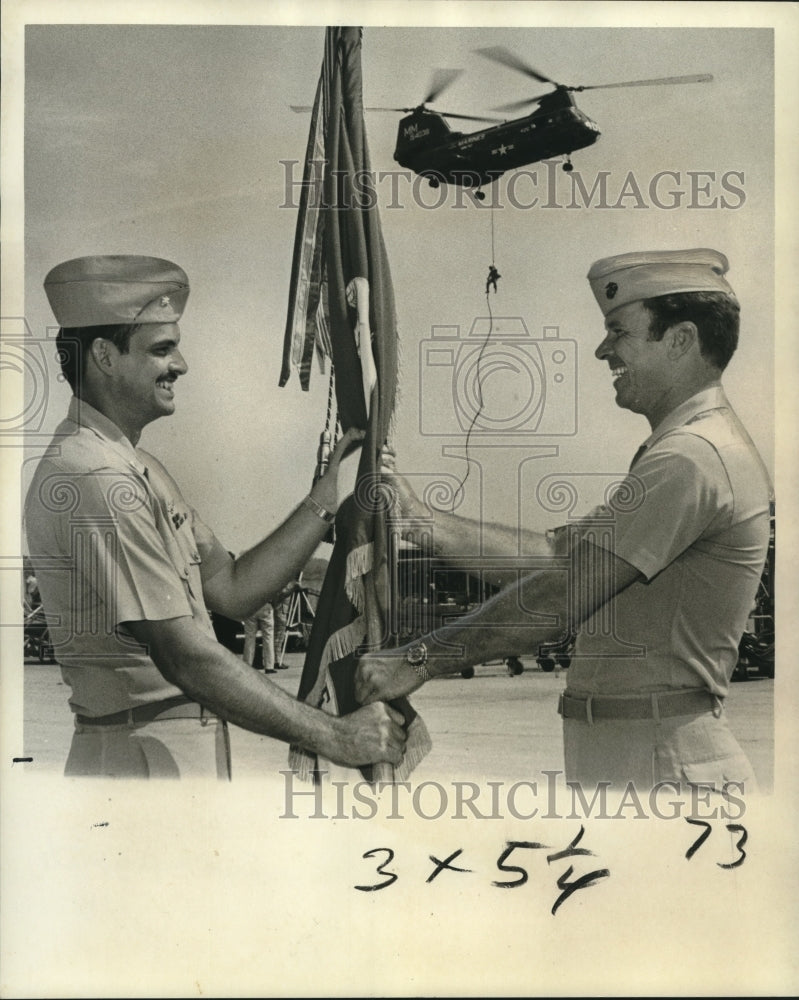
[710, 398]
[84, 415]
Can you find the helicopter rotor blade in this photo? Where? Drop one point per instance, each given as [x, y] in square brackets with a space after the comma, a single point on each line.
[443, 114]
[402, 110]
[497, 53]
[468, 118]
[304, 108]
[442, 79]
[694, 78]
[518, 105]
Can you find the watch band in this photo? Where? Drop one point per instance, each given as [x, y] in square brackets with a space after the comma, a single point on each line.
[417, 655]
[318, 509]
[422, 671]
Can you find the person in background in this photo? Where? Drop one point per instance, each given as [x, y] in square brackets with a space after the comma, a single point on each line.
[264, 621]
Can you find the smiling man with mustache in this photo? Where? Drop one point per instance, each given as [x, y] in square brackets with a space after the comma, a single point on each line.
[128, 570]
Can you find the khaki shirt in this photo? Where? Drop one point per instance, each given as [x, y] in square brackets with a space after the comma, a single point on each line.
[113, 541]
[693, 516]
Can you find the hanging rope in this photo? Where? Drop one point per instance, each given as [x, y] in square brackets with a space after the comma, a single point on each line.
[493, 273]
[491, 281]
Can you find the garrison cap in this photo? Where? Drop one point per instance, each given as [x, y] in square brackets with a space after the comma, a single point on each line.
[116, 289]
[630, 277]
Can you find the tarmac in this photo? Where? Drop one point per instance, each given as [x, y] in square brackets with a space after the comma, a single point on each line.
[490, 726]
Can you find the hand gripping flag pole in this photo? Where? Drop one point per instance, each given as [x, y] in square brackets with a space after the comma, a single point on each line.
[341, 306]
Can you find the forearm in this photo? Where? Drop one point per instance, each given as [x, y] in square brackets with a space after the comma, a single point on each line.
[223, 683]
[261, 573]
[499, 628]
[503, 626]
[479, 547]
[543, 607]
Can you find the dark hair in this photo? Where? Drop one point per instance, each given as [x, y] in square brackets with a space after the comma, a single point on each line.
[716, 315]
[73, 343]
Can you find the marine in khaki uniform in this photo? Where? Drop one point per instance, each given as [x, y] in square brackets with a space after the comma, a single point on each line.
[663, 578]
[128, 570]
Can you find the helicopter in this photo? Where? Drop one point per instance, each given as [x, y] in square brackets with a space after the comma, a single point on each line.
[555, 127]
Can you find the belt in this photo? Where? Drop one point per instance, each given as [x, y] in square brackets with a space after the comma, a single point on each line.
[179, 707]
[656, 705]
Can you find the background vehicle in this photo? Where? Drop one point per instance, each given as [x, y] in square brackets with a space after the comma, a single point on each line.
[756, 648]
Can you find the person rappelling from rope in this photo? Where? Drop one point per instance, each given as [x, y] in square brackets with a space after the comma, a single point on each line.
[493, 275]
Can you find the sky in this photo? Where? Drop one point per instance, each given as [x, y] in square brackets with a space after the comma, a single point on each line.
[179, 141]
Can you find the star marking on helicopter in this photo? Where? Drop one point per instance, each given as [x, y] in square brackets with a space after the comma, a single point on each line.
[502, 150]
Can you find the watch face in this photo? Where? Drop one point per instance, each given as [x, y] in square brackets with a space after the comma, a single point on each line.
[417, 654]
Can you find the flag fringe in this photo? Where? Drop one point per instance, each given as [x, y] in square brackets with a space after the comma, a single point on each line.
[418, 746]
[338, 645]
[359, 563]
[302, 763]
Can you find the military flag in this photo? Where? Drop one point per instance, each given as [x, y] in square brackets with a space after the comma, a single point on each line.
[341, 307]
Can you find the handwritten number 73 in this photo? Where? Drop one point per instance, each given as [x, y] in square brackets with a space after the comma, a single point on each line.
[732, 828]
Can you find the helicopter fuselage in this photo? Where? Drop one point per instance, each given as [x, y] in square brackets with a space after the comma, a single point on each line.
[427, 145]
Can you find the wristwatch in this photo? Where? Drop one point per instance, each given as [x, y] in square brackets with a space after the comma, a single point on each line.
[416, 656]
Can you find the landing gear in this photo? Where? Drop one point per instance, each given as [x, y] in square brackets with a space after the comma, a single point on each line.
[480, 195]
[568, 166]
[433, 182]
[556, 654]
